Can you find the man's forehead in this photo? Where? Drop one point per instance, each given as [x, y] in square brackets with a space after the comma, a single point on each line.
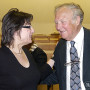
[64, 13]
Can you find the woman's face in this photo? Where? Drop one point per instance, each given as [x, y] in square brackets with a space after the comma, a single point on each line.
[26, 34]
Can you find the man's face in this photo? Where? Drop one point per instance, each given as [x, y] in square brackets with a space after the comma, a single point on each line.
[65, 24]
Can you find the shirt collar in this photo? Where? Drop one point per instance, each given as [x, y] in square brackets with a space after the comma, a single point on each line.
[79, 37]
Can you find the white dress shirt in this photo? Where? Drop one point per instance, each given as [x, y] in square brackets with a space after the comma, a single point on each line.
[79, 40]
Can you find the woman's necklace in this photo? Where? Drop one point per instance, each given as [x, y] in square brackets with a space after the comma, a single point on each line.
[19, 52]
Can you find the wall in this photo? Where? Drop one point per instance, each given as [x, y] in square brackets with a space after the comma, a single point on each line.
[43, 11]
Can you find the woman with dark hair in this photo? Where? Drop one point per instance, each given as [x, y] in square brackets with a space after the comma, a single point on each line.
[18, 71]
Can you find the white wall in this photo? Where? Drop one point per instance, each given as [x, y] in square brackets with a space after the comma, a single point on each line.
[43, 11]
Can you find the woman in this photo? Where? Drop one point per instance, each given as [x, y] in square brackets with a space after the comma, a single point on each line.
[18, 70]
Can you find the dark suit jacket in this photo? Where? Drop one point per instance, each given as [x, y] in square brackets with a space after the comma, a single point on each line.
[60, 60]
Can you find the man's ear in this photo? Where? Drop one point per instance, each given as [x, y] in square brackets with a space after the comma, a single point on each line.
[78, 20]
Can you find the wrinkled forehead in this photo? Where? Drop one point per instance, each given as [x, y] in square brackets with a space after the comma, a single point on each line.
[63, 13]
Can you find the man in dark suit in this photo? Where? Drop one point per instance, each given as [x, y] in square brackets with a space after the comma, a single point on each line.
[68, 20]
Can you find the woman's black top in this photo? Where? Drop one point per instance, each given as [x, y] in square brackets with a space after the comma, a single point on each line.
[13, 76]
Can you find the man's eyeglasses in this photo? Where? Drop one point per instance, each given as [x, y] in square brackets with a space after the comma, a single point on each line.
[26, 27]
[72, 63]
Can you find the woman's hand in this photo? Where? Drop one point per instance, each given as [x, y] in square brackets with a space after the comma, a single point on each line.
[51, 62]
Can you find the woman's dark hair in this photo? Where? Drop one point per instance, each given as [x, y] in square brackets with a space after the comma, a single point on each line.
[12, 22]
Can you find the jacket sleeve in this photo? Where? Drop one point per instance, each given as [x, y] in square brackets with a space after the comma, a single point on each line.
[51, 79]
[45, 71]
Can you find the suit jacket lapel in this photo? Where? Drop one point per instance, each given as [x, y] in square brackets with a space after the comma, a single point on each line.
[63, 61]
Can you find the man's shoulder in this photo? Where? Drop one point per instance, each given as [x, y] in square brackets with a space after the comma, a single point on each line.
[86, 29]
[61, 41]
[86, 32]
